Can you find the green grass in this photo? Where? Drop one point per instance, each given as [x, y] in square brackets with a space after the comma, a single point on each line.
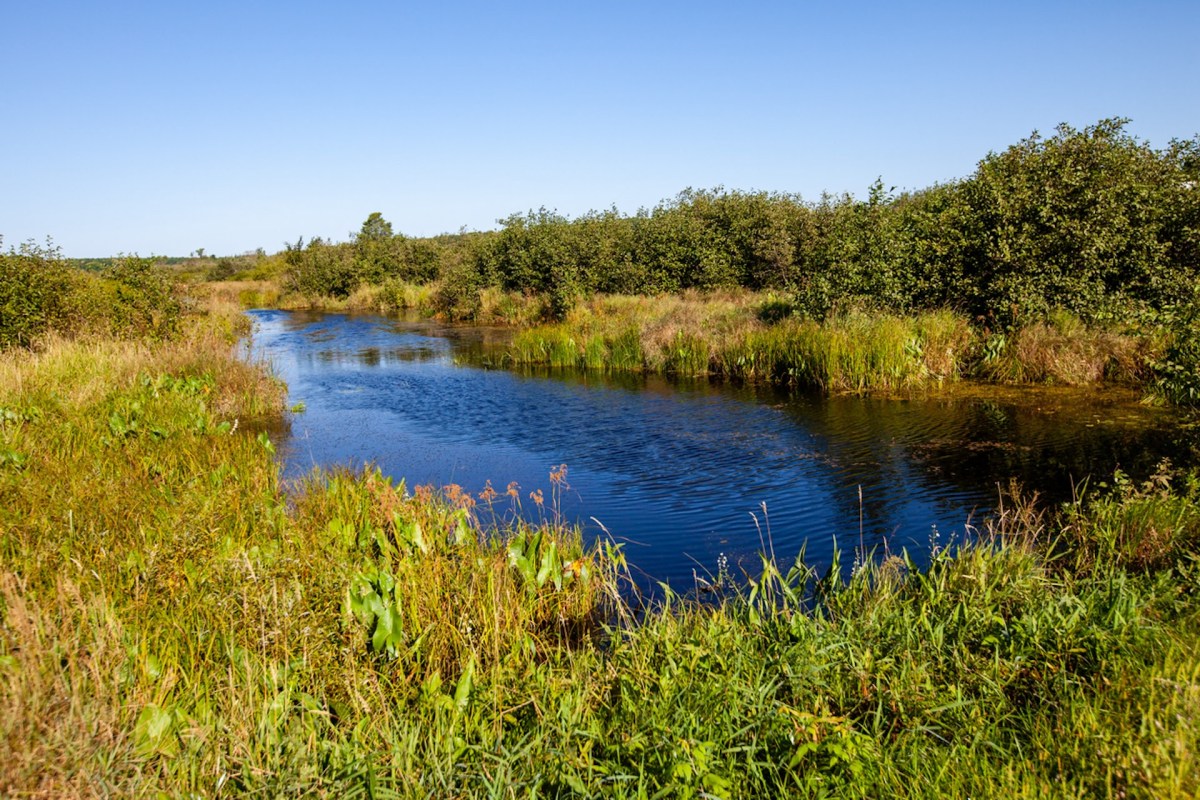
[753, 336]
[177, 622]
[695, 336]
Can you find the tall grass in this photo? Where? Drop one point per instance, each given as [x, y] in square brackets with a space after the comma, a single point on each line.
[1063, 350]
[175, 621]
[486, 305]
[697, 335]
[755, 336]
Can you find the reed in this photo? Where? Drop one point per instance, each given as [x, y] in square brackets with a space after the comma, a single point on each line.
[1063, 350]
[695, 335]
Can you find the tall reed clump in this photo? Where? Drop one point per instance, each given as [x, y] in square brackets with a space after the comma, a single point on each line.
[1063, 350]
[855, 352]
[851, 352]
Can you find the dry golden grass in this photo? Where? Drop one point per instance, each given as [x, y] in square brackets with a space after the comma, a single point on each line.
[1063, 350]
[243, 294]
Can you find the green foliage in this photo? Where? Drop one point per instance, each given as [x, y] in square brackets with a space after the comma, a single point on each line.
[1154, 526]
[34, 293]
[1073, 221]
[376, 256]
[378, 253]
[223, 270]
[1092, 221]
[40, 293]
[174, 620]
[458, 294]
[377, 603]
[1177, 370]
[853, 352]
[320, 269]
[143, 300]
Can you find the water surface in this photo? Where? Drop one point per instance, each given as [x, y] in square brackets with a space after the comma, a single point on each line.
[681, 470]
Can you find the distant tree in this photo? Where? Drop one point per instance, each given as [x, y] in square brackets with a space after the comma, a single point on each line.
[377, 251]
[375, 229]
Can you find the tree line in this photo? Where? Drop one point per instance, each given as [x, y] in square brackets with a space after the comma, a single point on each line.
[1093, 221]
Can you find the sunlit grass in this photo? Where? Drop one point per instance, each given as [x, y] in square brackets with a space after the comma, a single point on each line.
[1062, 350]
[176, 621]
[725, 335]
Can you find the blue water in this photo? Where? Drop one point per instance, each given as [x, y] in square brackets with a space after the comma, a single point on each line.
[684, 472]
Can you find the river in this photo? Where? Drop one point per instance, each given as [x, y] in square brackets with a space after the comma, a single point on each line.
[689, 474]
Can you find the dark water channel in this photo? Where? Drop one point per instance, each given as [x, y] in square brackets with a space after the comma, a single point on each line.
[680, 469]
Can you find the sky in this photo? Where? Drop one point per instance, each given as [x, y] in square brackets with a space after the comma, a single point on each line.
[161, 128]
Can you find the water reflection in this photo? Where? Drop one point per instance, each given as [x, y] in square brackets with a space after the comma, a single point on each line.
[681, 469]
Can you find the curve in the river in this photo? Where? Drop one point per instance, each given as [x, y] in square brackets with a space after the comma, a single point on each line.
[680, 470]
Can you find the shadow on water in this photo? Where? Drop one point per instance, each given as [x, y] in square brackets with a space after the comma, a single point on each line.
[680, 469]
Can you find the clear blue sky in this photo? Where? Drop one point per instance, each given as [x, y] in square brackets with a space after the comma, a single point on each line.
[159, 127]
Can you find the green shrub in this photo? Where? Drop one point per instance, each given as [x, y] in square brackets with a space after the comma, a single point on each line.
[458, 295]
[320, 269]
[33, 293]
[40, 293]
[1178, 369]
[143, 300]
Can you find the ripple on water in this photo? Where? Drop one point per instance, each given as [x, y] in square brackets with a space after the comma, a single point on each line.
[681, 470]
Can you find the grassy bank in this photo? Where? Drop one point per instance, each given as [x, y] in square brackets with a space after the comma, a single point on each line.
[755, 336]
[175, 622]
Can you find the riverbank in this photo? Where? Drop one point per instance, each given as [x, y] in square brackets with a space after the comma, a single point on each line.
[174, 622]
[757, 336]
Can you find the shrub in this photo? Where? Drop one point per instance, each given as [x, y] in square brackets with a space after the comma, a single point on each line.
[40, 293]
[33, 293]
[320, 269]
[143, 300]
[457, 297]
[1177, 371]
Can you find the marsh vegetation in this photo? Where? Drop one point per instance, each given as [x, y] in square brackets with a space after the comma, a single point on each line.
[175, 622]
[178, 619]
